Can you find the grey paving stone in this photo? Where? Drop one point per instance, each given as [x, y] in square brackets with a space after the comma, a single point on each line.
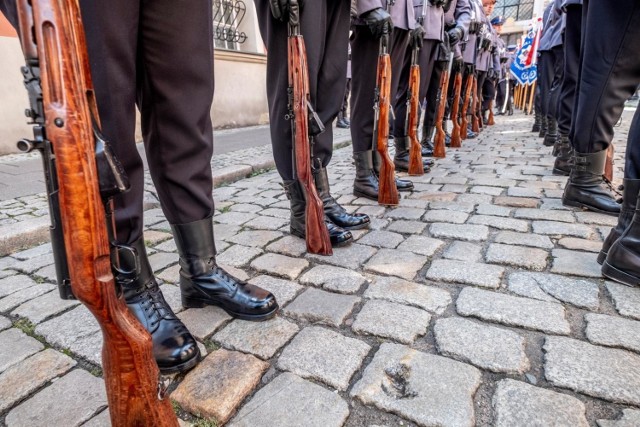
[579, 366]
[516, 202]
[470, 273]
[580, 244]
[626, 299]
[278, 213]
[30, 233]
[262, 339]
[161, 260]
[4, 323]
[393, 289]
[421, 245]
[33, 252]
[319, 306]
[225, 231]
[524, 239]
[267, 223]
[289, 245]
[290, 401]
[238, 255]
[23, 378]
[351, 256]
[283, 290]
[513, 311]
[463, 251]
[630, 418]
[255, 238]
[467, 232]
[426, 389]
[396, 263]
[391, 320]
[455, 188]
[335, 279]
[493, 210]
[482, 189]
[500, 222]
[324, 355]
[203, 322]
[42, 307]
[376, 211]
[520, 404]
[552, 287]
[244, 207]
[381, 239]
[523, 192]
[596, 218]
[407, 227]
[103, 419]
[16, 346]
[279, 265]
[445, 216]
[234, 218]
[475, 198]
[613, 331]
[69, 401]
[554, 228]
[405, 213]
[494, 182]
[487, 347]
[517, 256]
[452, 206]
[575, 263]
[15, 299]
[15, 283]
[545, 215]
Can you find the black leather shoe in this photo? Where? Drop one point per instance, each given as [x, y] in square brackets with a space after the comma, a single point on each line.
[427, 141]
[552, 132]
[471, 134]
[366, 182]
[623, 258]
[174, 348]
[543, 127]
[295, 193]
[332, 209]
[536, 123]
[203, 283]
[630, 189]
[587, 188]
[342, 124]
[563, 152]
[401, 184]
[401, 156]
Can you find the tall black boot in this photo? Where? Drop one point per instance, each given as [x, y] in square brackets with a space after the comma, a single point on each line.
[332, 209]
[623, 258]
[563, 152]
[174, 348]
[587, 188]
[366, 182]
[203, 283]
[536, 123]
[630, 189]
[427, 141]
[552, 132]
[401, 184]
[295, 193]
[401, 156]
[543, 127]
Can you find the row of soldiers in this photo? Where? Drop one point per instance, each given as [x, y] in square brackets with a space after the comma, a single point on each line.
[588, 67]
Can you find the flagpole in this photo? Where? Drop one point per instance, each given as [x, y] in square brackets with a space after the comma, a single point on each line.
[533, 91]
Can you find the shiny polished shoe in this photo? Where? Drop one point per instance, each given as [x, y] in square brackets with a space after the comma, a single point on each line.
[622, 263]
[332, 209]
[427, 142]
[401, 156]
[401, 184]
[630, 190]
[536, 123]
[203, 283]
[174, 348]
[543, 127]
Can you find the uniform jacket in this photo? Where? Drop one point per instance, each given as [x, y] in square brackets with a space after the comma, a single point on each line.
[459, 14]
[401, 12]
[485, 59]
[553, 27]
[566, 3]
[469, 45]
[432, 18]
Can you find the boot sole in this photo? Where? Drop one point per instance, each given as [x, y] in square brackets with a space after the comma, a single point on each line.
[365, 195]
[186, 366]
[588, 208]
[201, 303]
[602, 257]
[560, 172]
[618, 275]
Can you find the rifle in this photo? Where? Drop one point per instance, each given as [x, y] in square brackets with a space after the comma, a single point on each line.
[491, 121]
[438, 141]
[455, 132]
[475, 126]
[466, 101]
[82, 176]
[416, 167]
[608, 166]
[305, 124]
[387, 190]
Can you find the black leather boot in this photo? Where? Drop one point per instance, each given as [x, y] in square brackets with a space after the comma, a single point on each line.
[587, 188]
[471, 134]
[536, 123]
[552, 132]
[203, 283]
[630, 189]
[427, 141]
[336, 213]
[174, 348]
[366, 182]
[401, 156]
[401, 184]
[623, 258]
[543, 126]
[295, 193]
[563, 152]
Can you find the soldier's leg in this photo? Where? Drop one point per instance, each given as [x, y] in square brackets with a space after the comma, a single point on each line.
[429, 85]
[557, 55]
[545, 79]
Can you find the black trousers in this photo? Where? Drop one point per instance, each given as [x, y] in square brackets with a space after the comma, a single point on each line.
[557, 64]
[572, 36]
[364, 62]
[501, 94]
[488, 93]
[482, 77]
[325, 27]
[545, 80]
[345, 101]
[433, 90]
[610, 73]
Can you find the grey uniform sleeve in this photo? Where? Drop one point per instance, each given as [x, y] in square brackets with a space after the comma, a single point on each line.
[463, 15]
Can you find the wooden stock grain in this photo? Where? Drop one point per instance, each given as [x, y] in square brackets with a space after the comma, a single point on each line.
[475, 126]
[464, 122]
[456, 141]
[439, 148]
[317, 235]
[387, 191]
[416, 168]
[130, 372]
[491, 121]
[608, 165]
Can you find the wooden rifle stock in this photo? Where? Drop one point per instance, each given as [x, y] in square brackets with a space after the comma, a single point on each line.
[55, 50]
[416, 168]
[456, 141]
[475, 126]
[316, 233]
[491, 121]
[387, 190]
[608, 166]
[466, 102]
[439, 149]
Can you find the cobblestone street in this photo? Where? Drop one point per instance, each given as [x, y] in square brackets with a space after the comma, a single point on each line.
[477, 301]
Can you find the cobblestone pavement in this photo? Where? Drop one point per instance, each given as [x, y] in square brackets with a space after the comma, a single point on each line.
[477, 301]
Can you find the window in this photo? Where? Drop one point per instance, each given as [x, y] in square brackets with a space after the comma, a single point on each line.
[519, 10]
[227, 17]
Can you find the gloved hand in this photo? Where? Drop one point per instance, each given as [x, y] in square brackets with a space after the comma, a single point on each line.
[455, 35]
[280, 9]
[492, 74]
[416, 37]
[379, 22]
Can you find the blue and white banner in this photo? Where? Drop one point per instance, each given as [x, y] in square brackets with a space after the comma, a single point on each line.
[524, 67]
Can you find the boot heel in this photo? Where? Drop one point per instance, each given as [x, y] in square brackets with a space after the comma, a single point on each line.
[188, 302]
[619, 276]
[602, 256]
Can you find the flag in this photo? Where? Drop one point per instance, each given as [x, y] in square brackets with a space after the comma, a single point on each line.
[524, 67]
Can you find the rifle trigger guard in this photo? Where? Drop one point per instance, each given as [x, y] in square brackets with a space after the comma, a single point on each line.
[120, 249]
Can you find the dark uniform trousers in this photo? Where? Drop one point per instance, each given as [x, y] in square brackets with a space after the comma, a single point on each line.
[325, 27]
[364, 61]
[482, 77]
[545, 80]
[557, 69]
[433, 91]
[501, 93]
[426, 60]
[488, 93]
[572, 36]
[609, 75]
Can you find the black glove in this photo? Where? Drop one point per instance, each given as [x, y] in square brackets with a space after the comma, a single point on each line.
[455, 35]
[379, 22]
[492, 74]
[416, 37]
[280, 9]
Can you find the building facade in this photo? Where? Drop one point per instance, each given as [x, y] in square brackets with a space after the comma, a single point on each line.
[518, 15]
